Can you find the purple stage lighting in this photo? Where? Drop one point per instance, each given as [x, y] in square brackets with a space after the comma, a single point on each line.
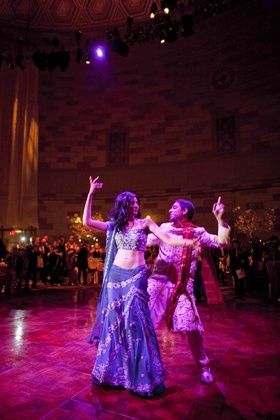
[99, 52]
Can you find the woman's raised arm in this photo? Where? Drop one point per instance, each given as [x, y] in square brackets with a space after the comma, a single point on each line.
[87, 218]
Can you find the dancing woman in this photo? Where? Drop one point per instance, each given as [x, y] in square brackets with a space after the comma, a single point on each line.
[127, 353]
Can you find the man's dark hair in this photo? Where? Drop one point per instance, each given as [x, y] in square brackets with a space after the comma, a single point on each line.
[187, 205]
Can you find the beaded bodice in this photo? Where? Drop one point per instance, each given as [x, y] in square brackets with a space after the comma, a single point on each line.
[134, 239]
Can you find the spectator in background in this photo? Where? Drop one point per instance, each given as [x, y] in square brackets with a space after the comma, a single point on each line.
[198, 289]
[18, 264]
[3, 249]
[96, 250]
[102, 253]
[44, 251]
[31, 266]
[56, 264]
[82, 264]
[238, 261]
[272, 262]
[70, 260]
[62, 249]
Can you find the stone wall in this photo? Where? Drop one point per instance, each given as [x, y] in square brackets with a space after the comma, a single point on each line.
[196, 118]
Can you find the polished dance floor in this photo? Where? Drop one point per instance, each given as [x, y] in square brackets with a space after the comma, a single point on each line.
[46, 363]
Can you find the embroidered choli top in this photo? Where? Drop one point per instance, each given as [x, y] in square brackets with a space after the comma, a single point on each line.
[134, 240]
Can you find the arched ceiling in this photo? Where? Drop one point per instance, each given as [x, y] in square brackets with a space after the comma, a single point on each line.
[25, 25]
[68, 15]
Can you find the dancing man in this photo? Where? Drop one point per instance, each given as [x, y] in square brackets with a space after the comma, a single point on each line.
[171, 284]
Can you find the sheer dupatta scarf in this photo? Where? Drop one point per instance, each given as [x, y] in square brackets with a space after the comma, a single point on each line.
[111, 250]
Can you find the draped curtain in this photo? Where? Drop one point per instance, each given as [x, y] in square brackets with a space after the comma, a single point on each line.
[19, 147]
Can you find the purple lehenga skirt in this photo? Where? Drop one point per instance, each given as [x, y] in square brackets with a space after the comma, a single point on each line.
[128, 354]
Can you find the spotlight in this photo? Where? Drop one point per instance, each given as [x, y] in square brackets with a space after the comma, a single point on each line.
[168, 5]
[99, 52]
[153, 11]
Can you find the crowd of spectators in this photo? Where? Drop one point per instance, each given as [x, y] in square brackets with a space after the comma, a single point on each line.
[58, 263]
[252, 266]
[61, 262]
[246, 266]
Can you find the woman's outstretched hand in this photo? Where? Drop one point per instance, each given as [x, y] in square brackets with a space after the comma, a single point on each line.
[94, 185]
[87, 214]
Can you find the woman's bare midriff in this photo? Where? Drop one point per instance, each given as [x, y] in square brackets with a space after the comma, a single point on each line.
[129, 259]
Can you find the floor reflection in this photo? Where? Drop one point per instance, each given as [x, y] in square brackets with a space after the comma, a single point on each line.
[46, 363]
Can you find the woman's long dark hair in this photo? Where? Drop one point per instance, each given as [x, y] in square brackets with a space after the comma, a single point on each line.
[122, 209]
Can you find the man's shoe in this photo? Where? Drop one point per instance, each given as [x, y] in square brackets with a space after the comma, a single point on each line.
[206, 376]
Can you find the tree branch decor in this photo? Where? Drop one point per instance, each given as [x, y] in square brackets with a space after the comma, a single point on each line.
[254, 221]
[81, 232]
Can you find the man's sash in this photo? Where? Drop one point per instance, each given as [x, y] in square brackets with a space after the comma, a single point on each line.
[183, 275]
[209, 276]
